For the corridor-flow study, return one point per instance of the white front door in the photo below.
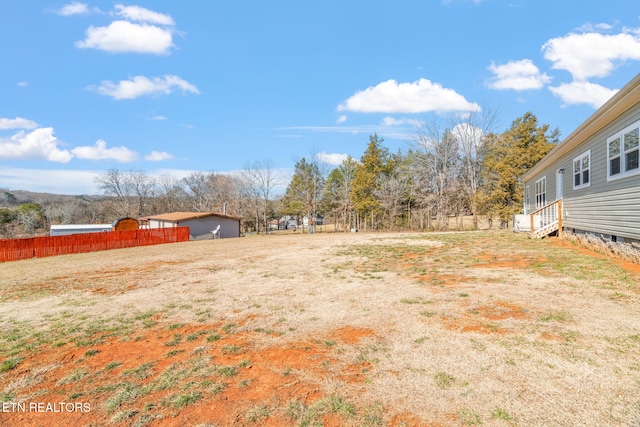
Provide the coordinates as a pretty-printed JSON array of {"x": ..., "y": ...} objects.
[{"x": 559, "y": 183}]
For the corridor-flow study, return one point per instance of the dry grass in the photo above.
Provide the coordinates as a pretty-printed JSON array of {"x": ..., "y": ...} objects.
[{"x": 341, "y": 329}]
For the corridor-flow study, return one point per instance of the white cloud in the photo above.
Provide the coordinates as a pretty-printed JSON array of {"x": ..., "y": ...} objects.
[
  {"x": 17, "y": 123},
  {"x": 391, "y": 121},
  {"x": 341, "y": 119},
  {"x": 54, "y": 181},
  {"x": 590, "y": 27},
  {"x": 467, "y": 133},
  {"x": 417, "y": 97},
  {"x": 583, "y": 93},
  {"x": 158, "y": 118},
  {"x": 141, "y": 85},
  {"x": 38, "y": 144},
  {"x": 331, "y": 158},
  {"x": 78, "y": 181},
  {"x": 385, "y": 132},
  {"x": 73, "y": 8},
  {"x": 591, "y": 54},
  {"x": 23, "y": 84},
  {"x": 137, "y": 13},
  {"x": 99, "y": 151},
  {"x": 517, "y": 75},
  {"x": 125, "y": 36},
  {"x": 158, "y": 156}
]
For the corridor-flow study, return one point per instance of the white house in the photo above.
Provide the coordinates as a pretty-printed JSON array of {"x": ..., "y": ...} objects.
[
  {"x": 201, "y": 224},
  {"x": 590, "y": 183}
]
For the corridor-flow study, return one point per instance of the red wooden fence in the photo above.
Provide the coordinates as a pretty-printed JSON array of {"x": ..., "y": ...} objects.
[{"x": 36, "y": 247}]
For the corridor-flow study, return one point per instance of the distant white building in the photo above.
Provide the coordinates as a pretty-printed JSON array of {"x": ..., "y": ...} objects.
[
  {"x": 66, "y": 229},
  {"x": 200, "y": 224}
]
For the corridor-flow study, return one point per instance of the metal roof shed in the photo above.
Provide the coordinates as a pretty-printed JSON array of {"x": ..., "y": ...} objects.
[
  {"x": 200, "y": 224},
  {"x": 66, "y": 229}
]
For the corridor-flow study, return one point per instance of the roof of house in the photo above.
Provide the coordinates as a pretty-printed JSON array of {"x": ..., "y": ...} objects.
[
  {"x": 624, "y": 99},
  {"x": 184, "y": 216}
]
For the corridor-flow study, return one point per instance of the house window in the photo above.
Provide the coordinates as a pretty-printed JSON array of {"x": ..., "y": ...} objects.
[
  {"x": 623, "y": 150},
  {"x": 582, "y": 171},
  {"x": 526, "y": 199},
  {"x": 631, "y": 150},
  {"x": 541, "y": 192}
]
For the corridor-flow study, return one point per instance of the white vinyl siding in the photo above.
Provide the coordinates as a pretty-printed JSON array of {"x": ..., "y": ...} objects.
[
  {"x": 623, "y": 151},
  {"x": 611, "y": 204},
  {"x": 582, "y": 171}
]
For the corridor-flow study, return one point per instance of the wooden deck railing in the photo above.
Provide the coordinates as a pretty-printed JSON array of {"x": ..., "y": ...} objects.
[{"x": 546, "y": 220}]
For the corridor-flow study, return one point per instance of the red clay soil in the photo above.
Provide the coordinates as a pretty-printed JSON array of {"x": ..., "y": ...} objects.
[
  {"x": 552, "y": 337},
  {"x": 502, "y": 310},
  {"x": 350, "y": 335},
  {"x": 255, "y": 377},
  {"x": 443, "y": 279},
  {"x": 489, "y": 260},
  {"x": 629, "y": 266},
  {"x": 479, "y": 320}
]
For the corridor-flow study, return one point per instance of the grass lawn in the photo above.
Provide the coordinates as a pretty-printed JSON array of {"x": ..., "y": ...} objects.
[{"x": 355, "y": 329}]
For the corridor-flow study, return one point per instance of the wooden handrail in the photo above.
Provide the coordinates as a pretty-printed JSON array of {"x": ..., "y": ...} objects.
[
  {"x": 550, "y": 214},
  {"x": 559, "y": 218},
  {"x": 546, "y": 206}
]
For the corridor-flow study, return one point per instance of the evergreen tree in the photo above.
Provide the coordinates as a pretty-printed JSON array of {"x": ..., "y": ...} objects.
[
  {"x": 507, "y": 158},
  {"x": 374, "y": 162},
  {"x": 302, "y": 196}
]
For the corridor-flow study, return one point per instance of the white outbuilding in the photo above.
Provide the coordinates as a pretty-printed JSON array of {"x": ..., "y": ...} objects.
[
  {"x": 201, "y": 224},
  {"x": 66, "y": 229}
]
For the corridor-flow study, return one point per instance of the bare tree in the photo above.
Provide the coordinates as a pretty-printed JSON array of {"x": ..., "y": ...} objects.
[
  {"x": 143, "y": 189},
  {"x": 129, "y": 192},
  {"x": 69, "y": 212},
  {"x": 438, "y": 167},
  {"x": 114, "y": 184},
  {"x": 260, "y": 180},
  {"x": 30, "y": 217},
  {"x": 471, "y": 130},
  {"x": 392, "y": 192},
  {"x": 337, "y": 192},
  {"x": 171, "y": 195},
  {"x": 199, "y": 191}
]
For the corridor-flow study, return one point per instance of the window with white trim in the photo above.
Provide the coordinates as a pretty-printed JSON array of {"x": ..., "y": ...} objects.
[
  {"x": 582, "y": 171},
  {"x": 527, "y": 202},
  {"x": 541, "y": 192},
  {"x": 623, "y": 151}
]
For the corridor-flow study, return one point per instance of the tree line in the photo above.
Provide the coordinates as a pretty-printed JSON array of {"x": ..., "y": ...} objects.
[
  {"x": 451, "y": 170},
  {"x": 460, "y": 169}
]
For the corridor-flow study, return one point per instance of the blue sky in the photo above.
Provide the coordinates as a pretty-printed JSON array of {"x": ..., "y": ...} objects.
[{"x": 174, "y": 87}]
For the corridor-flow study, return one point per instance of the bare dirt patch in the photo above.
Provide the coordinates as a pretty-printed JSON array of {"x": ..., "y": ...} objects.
[
  {"x": 629, "y": 266},
  {"x": 153, "y": 377},
  {"x": 328, "y": 329},
  {"x": 489, "y": 260}
]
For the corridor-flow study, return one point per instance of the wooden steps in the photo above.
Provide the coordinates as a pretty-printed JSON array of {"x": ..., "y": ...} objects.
[
  {"x": 544, "y": 231},
  {"x": 546, "y": 220}
]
